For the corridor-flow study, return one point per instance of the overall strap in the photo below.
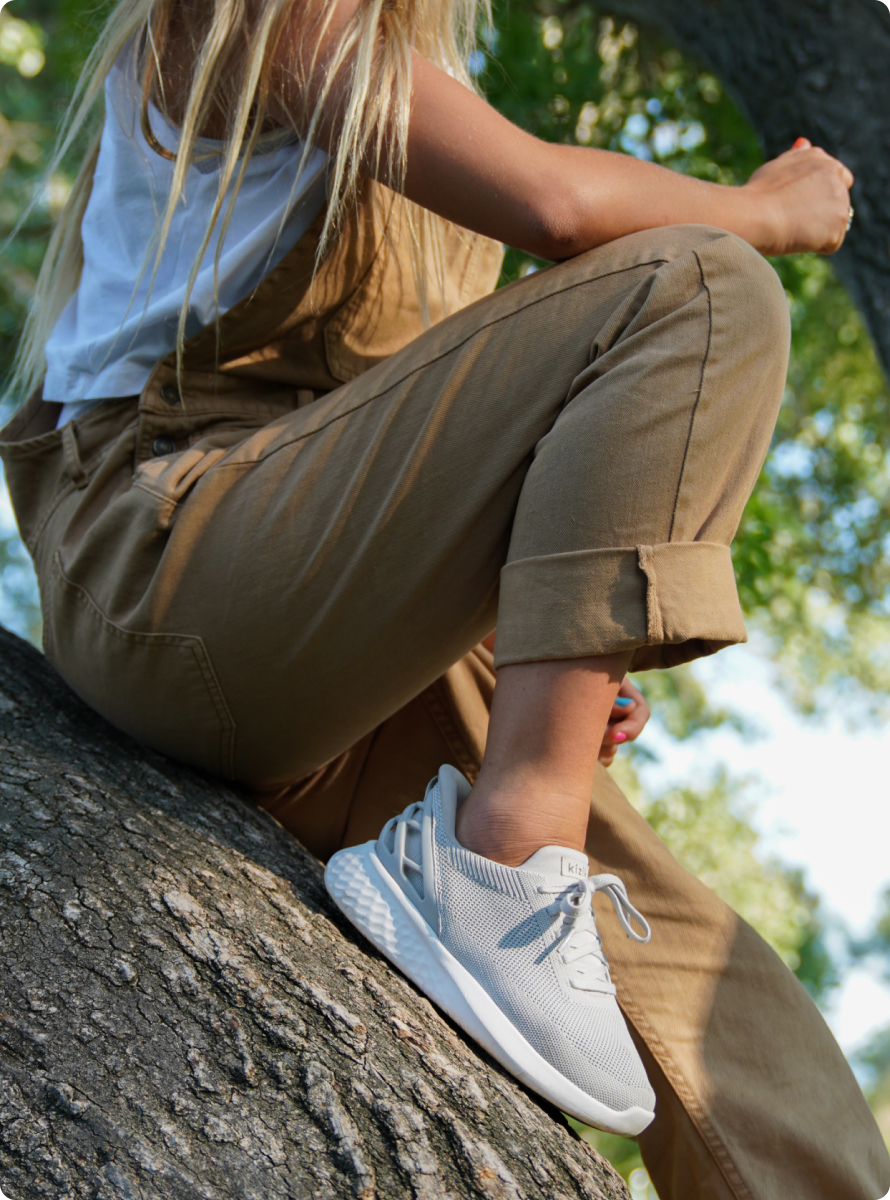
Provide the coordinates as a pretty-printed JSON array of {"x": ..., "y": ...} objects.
[{"x": 360, "y": 307}]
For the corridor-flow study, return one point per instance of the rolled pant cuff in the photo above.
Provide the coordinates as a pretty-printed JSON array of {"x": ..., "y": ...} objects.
[{"x": 669, "y": 603}]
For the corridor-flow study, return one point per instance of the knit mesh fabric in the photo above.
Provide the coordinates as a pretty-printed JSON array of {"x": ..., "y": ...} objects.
[{"x": 492, "y": 920}]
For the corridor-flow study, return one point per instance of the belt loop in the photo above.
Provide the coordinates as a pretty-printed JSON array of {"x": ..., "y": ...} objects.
[{"x": 73, "y": 465}]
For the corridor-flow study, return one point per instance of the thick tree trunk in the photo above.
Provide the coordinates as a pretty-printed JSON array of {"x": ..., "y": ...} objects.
[
  {"x": 811, "y": 68},
  {"x": 184, "y": 1014}
]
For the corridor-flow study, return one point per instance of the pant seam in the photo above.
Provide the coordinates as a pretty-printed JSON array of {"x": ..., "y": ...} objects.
[
  {"x": 390, "y": 386},
  {"x": 703, "y": 1125},
  {"x": 63, "y": 490},
  {"x": 701, "y": 385},
  {"x": 171, "y": 502},
  {"x": 195, "y": 644},
  {"x": 447, "y": 726},
  {"x": 654, "y": 616},
  {"x": 73, "y": 463},
  {"x": 347, "y": 816}
]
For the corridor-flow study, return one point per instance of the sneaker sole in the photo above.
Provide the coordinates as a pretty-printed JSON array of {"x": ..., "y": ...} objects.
[{"x": 367, "y": 895}]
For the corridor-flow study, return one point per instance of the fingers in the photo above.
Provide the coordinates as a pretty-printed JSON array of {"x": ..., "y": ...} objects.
[
  {"x": 630, "y": 709},
  {"x": 813, "y": 192},
  {"x": 628, "y": 718},
  {"x": 846, "y": 174},
  {"x": 628, "y": 724}
]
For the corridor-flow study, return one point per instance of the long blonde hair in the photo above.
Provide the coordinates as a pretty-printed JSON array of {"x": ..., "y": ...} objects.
[{"x": 376, "y": 44}]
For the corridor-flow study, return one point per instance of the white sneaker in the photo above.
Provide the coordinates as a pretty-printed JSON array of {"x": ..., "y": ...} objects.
[{"x": 511, "y": 954}]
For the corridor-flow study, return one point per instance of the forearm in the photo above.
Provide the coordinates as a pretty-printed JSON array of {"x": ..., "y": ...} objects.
[
  {"x": 609, "y": 195},
  {"x": 562, "y": 200},
  {"x": 468, "y": 163},
  {"x": 553, "y": 201}
]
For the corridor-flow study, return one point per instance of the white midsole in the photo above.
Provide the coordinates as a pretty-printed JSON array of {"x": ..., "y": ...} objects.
[{"x": 366, "y": 893}]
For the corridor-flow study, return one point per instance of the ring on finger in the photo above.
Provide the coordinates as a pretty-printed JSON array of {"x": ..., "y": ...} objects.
[{"x": 850, "y": 215}]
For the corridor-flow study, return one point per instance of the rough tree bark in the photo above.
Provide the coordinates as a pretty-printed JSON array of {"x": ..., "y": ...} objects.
[
  {"x": 811, "y": 68},
  {"x": 184, "y": 1014}
]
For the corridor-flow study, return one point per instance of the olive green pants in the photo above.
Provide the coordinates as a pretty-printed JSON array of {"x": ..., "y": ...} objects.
[{"x": 271, "y": 589}]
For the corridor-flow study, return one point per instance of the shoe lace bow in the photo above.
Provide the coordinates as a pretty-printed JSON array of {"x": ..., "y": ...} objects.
[{"x": 579, "y": 941}]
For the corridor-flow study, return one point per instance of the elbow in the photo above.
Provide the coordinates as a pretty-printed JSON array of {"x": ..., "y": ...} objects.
[{"x": 557, "y": 229}]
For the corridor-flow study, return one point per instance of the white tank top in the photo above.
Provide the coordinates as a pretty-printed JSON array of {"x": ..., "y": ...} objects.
[{"x": 109, "y": 338}]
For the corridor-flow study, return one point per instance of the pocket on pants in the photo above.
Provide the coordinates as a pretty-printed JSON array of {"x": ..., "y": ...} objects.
[{"x": 158, "y": 687}]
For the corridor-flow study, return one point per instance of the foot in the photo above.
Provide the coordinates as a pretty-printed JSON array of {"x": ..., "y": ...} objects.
[{"x": 512, "y": 954}]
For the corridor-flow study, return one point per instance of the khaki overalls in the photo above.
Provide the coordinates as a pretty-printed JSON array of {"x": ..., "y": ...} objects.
[{"x": 278, "y": 568}]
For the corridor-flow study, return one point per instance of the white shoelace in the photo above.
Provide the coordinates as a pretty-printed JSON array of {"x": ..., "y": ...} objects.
[{"x": 579, "y": 942}]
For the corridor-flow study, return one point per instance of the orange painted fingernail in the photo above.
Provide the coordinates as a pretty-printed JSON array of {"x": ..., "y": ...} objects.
[{"x": 801, "y": 141}]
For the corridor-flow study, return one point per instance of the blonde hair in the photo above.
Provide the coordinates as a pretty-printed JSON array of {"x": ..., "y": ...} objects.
[{"x": 374, "y": 45}]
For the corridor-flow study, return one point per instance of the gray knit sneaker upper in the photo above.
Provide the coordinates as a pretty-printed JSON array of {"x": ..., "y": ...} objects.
[{"x": 528, "y": 935}]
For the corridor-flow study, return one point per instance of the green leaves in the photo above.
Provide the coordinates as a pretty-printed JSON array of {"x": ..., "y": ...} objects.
[
  {"x": 21, "y": 45},
  {"x": 573, "y": 74},
  {"x": 708, "y": 827},
  {"x": 33, "y": 100},
  {"x": 811, "y": 552}
]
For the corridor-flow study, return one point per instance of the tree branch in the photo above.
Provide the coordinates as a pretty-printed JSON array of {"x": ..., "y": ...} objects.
[{"x": 184, "y": 1013}]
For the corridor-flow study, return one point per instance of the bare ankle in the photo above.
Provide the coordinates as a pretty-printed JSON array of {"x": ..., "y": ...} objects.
[
  {"x": 511, "y": 850},
  {"x": 544, "y": 738},
  {"x": 510, "y": 827}
]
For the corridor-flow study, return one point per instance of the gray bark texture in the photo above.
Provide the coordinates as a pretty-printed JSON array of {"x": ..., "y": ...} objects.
[
  {"x": 806, "y": 68},
  {"x": 184, "y": 1014}
]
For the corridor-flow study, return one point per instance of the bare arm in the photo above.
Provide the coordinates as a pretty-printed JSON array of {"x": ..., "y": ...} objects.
[{"x": 469, "y": 164}]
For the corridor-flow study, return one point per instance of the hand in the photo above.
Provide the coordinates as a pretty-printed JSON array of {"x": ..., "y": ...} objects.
[
  {"x": 806, "y": 196},
  {"x": 630, "y": 712}
]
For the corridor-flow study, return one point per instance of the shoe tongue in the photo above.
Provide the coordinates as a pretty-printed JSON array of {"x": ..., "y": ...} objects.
[{"x": 566, "y": 864}]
